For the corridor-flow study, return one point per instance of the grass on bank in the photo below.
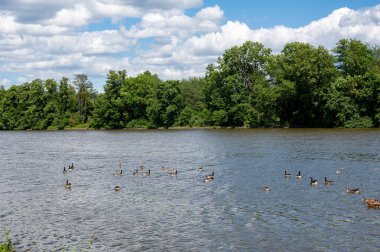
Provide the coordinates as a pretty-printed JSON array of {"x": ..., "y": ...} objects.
[{"x": 7, "y": 245}]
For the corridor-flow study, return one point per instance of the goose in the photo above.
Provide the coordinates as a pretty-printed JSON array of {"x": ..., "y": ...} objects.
[
  {"x": 135, "y": 172},
  {"x": 353, "y": 190},
  {"x": 146, "y": 173},
  {"x": 209, "y": 177},
  {"x": 200, "y": 168},
  {"x": 313, "y": 182},
  {"x": 118, "y": 174},
  {"x": 64, "y": 170},
  {"x": 340, "y": 170},
  {"x": 71, "y": 167},
  {"x": 366, "y": 200},
  {"x": 328, "y": 182},
  {"x": 68, "y": 185},
  {"x": 298, "y": 176},
  {"x": 372, "y": 203},
  {"x": 173, "y": 172},
  {"x": 266, "y": 188},
  {"x": 287, "y": 175},
  {"x": 117, "y": 188}
]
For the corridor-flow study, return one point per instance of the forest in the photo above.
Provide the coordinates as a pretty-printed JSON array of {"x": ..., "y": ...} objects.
[{"x": 249, "y": 86}]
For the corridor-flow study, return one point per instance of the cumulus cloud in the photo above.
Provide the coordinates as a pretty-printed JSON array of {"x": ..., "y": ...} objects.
[
  {"x": 55, "y": 40},
  {"x": 342, "y": 23}
]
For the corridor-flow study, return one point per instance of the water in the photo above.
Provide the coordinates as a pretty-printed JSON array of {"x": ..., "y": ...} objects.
[{"x": 183, "y": 213}]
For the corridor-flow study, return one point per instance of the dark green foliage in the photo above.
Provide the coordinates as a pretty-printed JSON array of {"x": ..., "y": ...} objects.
[{"x": 303, "y": 86}]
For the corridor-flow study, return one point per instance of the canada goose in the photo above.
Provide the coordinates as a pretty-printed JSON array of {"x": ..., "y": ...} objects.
[
  {"x": 298, "y": 176},
  {"x": 68, "y": 185},
  {"x": 118, "y": 174},
  {"x": 287, "y": 175},
  {"x": 117, "y": 188},
  {"x": 313, "y": 182},
  {"x": 372, "y": 203},
  {"x": 328, "y": 182},
  {"x": 64, "y": 170},
  {"x": 146, "y": 173},
  {"x": 71, "y": 167},
  {"x": 340, "y": 170},
  {"x": 353, "y": 190},
  {"x": 209, "y": 177},
  {"x": 135, "y": 172},
  {"x": 200, "y": 168},
  {"x": 366, "y": 200},
  {"x": 266, "y": 188},
  {"x": 173, "y": 172}
]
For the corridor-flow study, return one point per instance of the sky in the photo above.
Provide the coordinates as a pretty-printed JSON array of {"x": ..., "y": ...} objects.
[{"x": 175, "y": 39}]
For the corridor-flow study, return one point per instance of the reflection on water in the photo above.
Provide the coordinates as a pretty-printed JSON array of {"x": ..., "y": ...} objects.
[{"x": 173, "y": 213}]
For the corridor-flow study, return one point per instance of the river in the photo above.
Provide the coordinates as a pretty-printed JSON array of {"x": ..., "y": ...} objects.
[{"x": 183, "y": 213}]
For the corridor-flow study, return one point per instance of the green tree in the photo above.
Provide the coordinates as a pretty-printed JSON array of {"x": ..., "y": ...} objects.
[
  {"x": 170, "y": 101},
  {"x": 353, "y": 57},
  {"x": 108, "y": 109},
  {"x": 66, "y": 104},
  {"x": 308, "y": 71},
  {"x": 138, "y": 94},
  {"x": 85, "y": 96},
  {"x": 233, "y": 87}
]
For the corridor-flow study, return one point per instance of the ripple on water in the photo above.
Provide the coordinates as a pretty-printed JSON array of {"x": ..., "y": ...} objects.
[{"x": 167, "y": 213}]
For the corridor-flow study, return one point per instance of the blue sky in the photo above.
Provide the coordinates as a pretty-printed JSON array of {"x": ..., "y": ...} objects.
[
  {"x": 293, "y": 13},
  {"x": 173, "y": 39}
]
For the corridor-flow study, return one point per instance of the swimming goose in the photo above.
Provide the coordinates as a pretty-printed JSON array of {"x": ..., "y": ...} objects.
[
  {"x": 68, "y": 185},
  {"x": 71, "y": 167},
  {"x": 146, "y": 173},
  {"x": 209, "y": 177},
  {"x": 287, "y": 175},
  {"x": 353, "y": 190},
  {"x": 266, "y": 188},
  {"x": 372, "y": 203},
  {"x": 366, "y": 200},
  {"x": 298, "y": 176},
  {"x": 313, "y": 182},
  {"x": 117, "y": 188},
  {"x": 173, "y": 172},
  {"x": 340, "y": 170},
  {"x": 135, "y": 172},
  {"x": 328, "y": 182},
  {"x": 200, "y": 168},
  {"x": 118, "y": 174},
  {"x": 64, "y": 170}
]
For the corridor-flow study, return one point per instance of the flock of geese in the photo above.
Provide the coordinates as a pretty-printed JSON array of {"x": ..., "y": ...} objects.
[
  {"x": 371, "y": 203},
  {"x": 172, "y": 171}
]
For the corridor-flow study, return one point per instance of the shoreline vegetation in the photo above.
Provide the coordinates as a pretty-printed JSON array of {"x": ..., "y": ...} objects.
[{"x": 303, "y": 86}]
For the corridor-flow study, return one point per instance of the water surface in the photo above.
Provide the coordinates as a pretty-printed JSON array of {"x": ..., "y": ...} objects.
[{"x": 183, "y": 213}]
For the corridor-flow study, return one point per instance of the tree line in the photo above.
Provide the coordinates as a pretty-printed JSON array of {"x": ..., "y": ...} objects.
[{"x": 248, "y": 86}]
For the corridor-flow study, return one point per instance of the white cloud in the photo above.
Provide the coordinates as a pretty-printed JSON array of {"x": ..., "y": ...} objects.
[
  {"x": 342, "y": 23},
  {"x": 5, "y": 82},
  {"x": 77, "y": 16},
  {"x": 54, "y": 40}
]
